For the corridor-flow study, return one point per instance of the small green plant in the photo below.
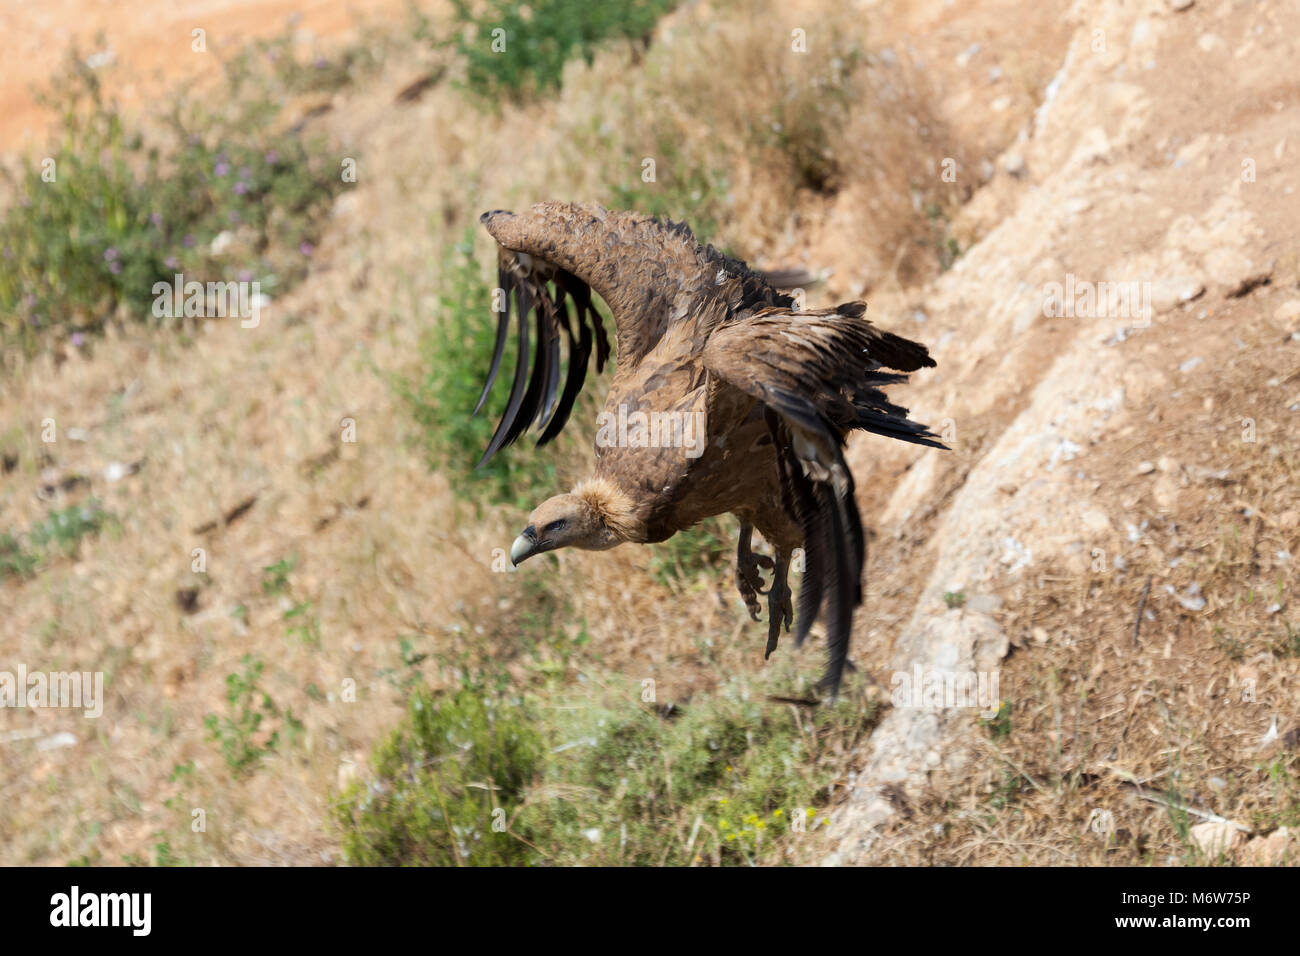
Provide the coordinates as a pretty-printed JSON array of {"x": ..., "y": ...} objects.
[
  {"x": 954, "y": 599},
  {"x": 1286, "y": 644},
  {"x": 946, "y": 247},
  {"x": 63, "y": 529},
  {"x": 1179, "y": 818},
  {"x": 1007, "y": 791},
  {"x": 408, "y": 677},
  {"x": 59, "y": 534},
  {"x": 518, "y": 51},
  {"x": 302, "y": 624},
  {"x": 164, "y": 855},
  {"x": 999, "y": 725},
  {"x": 1228, "y": 643},
  {"x": 276, "y": 576},
  {"x": 239, "y": 733},
  {"x": 16, "y": 561}
]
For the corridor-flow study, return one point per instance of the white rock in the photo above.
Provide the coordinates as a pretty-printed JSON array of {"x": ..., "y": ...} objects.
[
  {"x": 221, "y": 242},
  {"x": 1287, "y": 310},
  {"x": 1013, "y": 164},
  {"x": 1215, "y": 839},
  {"x": 1273, "y": 850}
]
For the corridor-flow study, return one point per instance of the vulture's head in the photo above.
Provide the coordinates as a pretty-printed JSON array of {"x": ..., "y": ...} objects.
[{"x": 589, "y": 518}]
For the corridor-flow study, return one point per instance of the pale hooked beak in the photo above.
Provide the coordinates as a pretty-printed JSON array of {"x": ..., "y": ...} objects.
[{"x": 525, "y": 546}]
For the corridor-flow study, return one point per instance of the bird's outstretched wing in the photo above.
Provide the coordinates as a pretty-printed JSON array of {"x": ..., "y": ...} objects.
[
  {"x": 651, "y": 274},
  {"x": 819, "y": 376}
]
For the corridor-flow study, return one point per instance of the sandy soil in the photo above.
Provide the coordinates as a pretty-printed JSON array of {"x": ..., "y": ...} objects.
[{"x": 150, "y": 42}]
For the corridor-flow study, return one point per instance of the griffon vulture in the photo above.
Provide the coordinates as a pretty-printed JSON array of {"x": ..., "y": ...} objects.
[{"x": 702, "y": 338}]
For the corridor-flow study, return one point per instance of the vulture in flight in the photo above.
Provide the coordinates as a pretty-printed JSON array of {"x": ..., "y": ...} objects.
[{"x": 700, "y": 339}]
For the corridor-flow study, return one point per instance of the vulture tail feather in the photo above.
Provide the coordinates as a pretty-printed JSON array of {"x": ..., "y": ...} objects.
[{"x": 845, "y": 580}]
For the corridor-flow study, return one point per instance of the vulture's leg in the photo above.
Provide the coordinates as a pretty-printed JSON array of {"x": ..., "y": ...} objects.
[
  {"x": 779, "y": 607},
  {"x": 748, "y": 581}
]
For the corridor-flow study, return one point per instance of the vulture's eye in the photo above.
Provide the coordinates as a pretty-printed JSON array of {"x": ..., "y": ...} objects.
[{"x": 555, "y": 526}]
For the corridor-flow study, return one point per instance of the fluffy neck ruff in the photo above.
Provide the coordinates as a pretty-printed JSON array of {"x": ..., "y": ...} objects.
[{"x": 614, "y": 508}]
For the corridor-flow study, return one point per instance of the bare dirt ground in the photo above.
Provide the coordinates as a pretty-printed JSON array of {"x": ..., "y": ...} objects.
[
  {"x": 151, "y": 42},
  {"x": 1097, "y": 139}
]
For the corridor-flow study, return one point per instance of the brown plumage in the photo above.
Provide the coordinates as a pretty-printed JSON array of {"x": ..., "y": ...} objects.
[{"x": 701, "y": 338}]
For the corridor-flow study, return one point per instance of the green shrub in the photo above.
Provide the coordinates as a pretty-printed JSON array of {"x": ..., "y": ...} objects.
[
  {"x": 539, "y": 38},
  {"x": 89, "y": 235},
  {"x": 574, "y": 779},
  {"x": 447, "y": 786}
]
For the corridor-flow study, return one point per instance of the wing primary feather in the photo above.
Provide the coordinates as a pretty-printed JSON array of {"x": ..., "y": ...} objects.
[
  {"x": 552, "y": 375},
  {"x": 561, "y": 323},
  {"x": 523, "y": 305},
  {"x": 579, "y": 356},
  {"x": 581, "y": 293},
  {"x": 532, "y": 402},
  {"x": 504, "y": 281}
]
